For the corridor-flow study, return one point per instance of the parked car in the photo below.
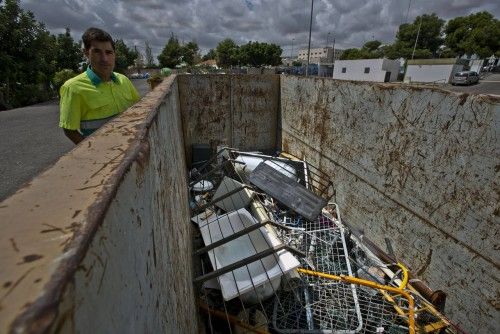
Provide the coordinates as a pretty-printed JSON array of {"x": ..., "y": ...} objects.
[
  {"x": 139, "y": 76},
  {"x": 465, "y": 78}
]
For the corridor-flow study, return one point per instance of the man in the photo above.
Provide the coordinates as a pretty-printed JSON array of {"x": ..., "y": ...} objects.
[{"x": 97, "y": 95}]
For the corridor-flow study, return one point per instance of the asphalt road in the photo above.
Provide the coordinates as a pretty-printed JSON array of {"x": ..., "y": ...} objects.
[
  {"x": 31, "y": 141},
  {"x": 490, "y": 84}
]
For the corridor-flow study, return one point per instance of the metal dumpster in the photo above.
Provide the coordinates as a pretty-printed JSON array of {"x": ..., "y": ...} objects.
[{"x": 101, "y": 242}]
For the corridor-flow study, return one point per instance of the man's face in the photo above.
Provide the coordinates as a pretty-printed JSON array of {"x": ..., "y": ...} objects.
[{"x": 102, "y": 58}]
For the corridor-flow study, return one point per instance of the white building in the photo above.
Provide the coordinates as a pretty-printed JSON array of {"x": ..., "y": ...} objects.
[
  {"x": 439, "y": 70},
  {"x": 377, "y": 70},
  {"x": 321, "y": 55}
]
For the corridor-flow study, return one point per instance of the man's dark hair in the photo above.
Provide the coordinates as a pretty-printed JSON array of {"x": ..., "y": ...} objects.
[{"x": 96, "y": 34}]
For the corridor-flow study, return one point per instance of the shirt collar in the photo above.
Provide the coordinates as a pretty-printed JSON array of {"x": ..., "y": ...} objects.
[{"x": 94, "y": 78}]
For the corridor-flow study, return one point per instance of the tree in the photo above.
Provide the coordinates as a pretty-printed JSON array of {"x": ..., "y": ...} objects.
[
  {"x": 211, "y": 54},
  {"x": 372, "y": 45},
  {"x": 370, "y": 50},
  {"x": 351, "y": 53},
  {"x": 429, "y": 38},
  {"x": 150, "y": 62},
  {"x": 69, "y": 54},
  {"x": 125, "y": 56},
  {"x": 227, "y": 53},
  {"x": 171, "y": 54},
  {"x": 477, "y": 33},
  {"x": 139, "y": 60},
  {"x": 252, "y": 53},
  {"x": 189, "y": 53},
  {"x": 273, "y": 54},
  {"x": 27, "y": 57},
  {"x": 61, "y": 77}
]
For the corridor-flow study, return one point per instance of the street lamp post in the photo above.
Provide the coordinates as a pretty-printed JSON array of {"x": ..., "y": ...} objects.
[
  {"x": 291, "y": 52},
  {"x": 309, "y": 46},
  {"x": 416, "y": 40}
]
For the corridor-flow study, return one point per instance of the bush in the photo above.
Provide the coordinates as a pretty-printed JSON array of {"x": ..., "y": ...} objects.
[{"x": 61, "y": 77}]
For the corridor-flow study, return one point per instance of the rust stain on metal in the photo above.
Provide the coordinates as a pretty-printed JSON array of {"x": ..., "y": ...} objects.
[
  {"x": 76, "y": 213},
  {"x": 31, "y": 258},
  {"x": 52, "y": 229},
  {"x": 438, "y": 299},
  {"x": 495, "y": 302},
  {"x": 16, "y": 283},
  {"x": 426, "y": 263},
  {"x": 14, "y": 245},
  {"x": 143, "y": 154},
  {"x": 463, "y": 98},
  {"x": 39, "y": 315}
]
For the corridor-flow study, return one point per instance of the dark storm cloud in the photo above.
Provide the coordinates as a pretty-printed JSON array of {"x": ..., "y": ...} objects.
[{"x": 351, "y": 22}]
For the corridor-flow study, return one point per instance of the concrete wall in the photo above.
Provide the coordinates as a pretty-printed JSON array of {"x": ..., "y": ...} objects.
[
  {"x": 236, "y": 110},
  {"x": 100, "y": 242},
  {"x": 355, "y": 69},
  {"x": 417, "y": 166},
  {"x": 431, "y": 73}
]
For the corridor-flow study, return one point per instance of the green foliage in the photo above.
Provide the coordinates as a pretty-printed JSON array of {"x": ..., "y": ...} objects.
[
  {"x": 171, "y": 54},
  {"x": 252, "y": 54},
  {"x": 174, "y": 53},
  {"x": 258, "y": 54},
  {"x": 370, "y": 50},
  {"x": 27, "y": 57},
  {"x": 446, "y": 52},
  {"x": 150, "y": 61},
  {"x": 227, "y": 53},
  {"x": 68, "y": 52},
  {"x": 296, "y": 63},
  {"x": 125, "y": 56},
  {"x": 351, "y": 53},
  {"x": 372, "y": 45},
  {"x": 210, "y": 55},
  {"x": 61, "y": 77},
  {"x": 189, "y": 53},
  {"x": 477, "y": 33},
  {"x": 429, "y": 38}
]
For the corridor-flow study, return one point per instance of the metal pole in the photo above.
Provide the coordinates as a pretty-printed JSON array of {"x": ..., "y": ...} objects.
[
  {"x": 333, "y": 46},
  {"x": 333, "y": 60},
  {"x": 309, "y": 46},
  {"x": 291, "y": 52},
  {"x": 416, "y": 40}
]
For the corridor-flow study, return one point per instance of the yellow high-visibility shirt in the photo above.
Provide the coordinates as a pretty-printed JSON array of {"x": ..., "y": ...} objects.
[{"x": 87, "y": 102}]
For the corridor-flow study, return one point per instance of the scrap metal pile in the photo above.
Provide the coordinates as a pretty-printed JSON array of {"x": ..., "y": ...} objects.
[{"x": 274, "y": 256}]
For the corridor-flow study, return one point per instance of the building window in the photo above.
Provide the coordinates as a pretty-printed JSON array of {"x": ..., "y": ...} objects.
[
  {"x": 367, "y": 70},
  {"x": 344, "y": 69}
]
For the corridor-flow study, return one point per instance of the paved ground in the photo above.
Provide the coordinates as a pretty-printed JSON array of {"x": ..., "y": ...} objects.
[
  {"x": 31, "y": 141},
  {"x": 490, "y": 84}
]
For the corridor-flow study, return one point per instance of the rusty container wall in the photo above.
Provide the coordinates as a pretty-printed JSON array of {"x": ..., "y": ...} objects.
[
  {"x": 101, "y": 241},
  {"x": 418, "y": 166},
  {"x": 147, "y": 269},
  {"x": 236, "y": 110}
]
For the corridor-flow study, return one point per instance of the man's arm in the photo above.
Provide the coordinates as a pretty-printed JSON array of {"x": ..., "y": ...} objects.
[{"x": 74, "y": 135}]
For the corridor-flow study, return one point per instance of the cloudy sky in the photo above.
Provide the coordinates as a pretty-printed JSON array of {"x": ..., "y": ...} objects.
[{"x": 284, "y": 22}]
